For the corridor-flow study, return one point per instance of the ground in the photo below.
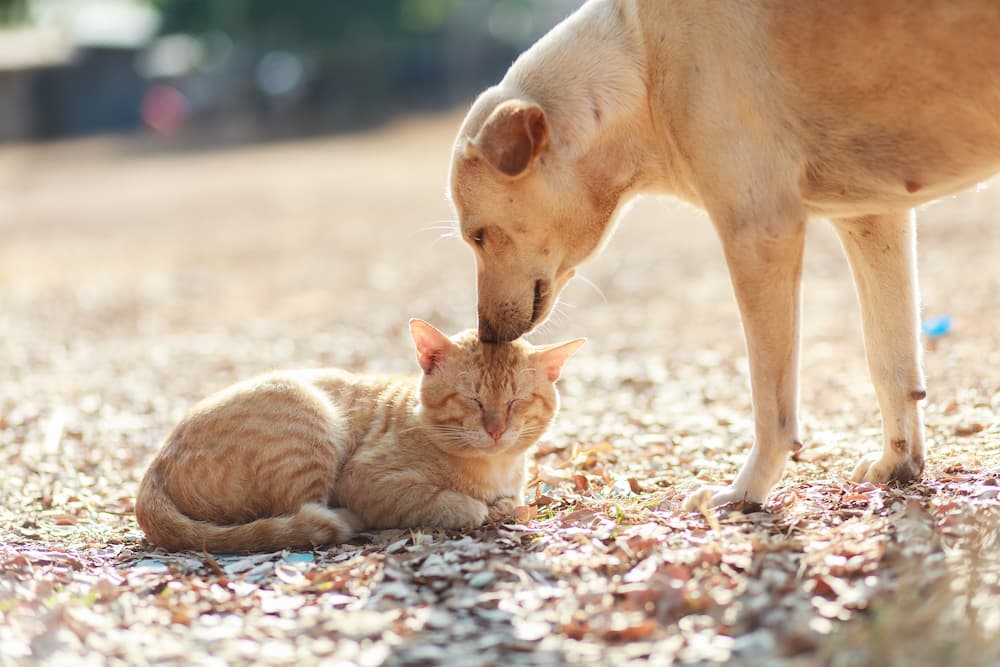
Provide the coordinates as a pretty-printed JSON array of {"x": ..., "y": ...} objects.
[{"x": 136, "y": 278}]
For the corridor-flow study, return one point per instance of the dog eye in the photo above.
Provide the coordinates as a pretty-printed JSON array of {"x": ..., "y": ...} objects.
[{"x": 478, "y": 236}]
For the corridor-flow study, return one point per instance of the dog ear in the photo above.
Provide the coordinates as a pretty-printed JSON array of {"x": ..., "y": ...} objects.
[
  {"x": 513, "y": 136},
  {"x": 431, "y": 344}
]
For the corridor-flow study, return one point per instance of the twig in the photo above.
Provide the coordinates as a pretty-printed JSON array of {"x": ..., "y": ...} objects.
[{"x": 213, "y": 564}]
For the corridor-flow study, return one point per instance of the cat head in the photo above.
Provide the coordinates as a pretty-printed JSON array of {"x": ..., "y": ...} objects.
[{"x": 480, "y": 399}]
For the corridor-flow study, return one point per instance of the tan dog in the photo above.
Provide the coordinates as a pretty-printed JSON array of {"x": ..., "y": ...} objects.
[{"x": 765, "y": 113}]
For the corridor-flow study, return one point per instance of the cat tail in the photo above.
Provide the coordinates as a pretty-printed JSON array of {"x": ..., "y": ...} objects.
[{"x": 166, "y": 526}]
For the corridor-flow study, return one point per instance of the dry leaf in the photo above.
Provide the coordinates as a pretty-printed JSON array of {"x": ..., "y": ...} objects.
[
  {"x": 64, "y": 519},
  {"x": 525, "y": 513},
  {"x": 543, "y": 500},
  {"x": 965, "y": 430}
]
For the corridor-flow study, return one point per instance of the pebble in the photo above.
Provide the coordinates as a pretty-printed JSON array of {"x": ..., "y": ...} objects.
[{"x": 482, "y": 579}]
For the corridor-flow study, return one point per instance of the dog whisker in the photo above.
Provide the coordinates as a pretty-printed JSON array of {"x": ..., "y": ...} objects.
[
  {"x": 446, "y": 232},
  {"x": 590, "y": 283}
]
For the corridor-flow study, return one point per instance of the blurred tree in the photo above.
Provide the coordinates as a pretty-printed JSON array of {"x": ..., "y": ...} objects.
[
  {"x": 305, "y": 24},
  {"x": 312, "y": 64},
  {"x": 361, "y": 59},
  {"x": 13, "y": 11}
]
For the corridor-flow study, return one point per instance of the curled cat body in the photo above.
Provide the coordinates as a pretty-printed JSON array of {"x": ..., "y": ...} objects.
[{"x": 295, "y": 459}]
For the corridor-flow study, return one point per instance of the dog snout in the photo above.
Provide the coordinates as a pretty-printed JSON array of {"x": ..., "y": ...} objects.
[
  {"x": 510, "y": 320},
  {"x": 504, "y": 325},
  {"x": 501, "y": 331}
]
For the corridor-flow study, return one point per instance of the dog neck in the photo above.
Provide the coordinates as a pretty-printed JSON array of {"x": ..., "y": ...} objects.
[{"x": 590, "y": 74}]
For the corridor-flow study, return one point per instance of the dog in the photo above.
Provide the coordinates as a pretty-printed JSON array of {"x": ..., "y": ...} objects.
[{"x": 764, "y": 113}]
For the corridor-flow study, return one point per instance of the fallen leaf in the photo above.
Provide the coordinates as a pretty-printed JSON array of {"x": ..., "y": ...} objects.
[
  {"x": 525, "y": 513},
  {"x": 965, "y": 430}
]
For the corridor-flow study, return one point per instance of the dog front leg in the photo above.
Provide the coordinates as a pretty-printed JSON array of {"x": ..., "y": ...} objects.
[
  {"x": 764, "y": 254},
  {"x": 882, "y": 253}
]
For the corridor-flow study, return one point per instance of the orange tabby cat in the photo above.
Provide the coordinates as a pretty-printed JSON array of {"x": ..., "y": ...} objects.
[{"x": 303, "y": 458}]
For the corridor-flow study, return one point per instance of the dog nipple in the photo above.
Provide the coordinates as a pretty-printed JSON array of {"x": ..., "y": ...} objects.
[{"x": 912, "y": 186}]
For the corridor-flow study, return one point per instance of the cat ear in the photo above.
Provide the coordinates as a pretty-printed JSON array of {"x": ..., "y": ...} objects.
[
  {"x": 431, "y": 344},
  {"x": 552, "y": 357}
]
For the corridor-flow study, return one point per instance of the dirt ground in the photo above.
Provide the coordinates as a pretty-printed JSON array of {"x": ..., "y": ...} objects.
[{"x": 134, "y": 280}]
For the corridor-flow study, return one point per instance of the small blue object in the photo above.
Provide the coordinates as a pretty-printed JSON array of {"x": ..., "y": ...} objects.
[
  {"x": 298, "y": 558},
  {"x": 151, "y": 565},
  {"x": 935, "y": 327}
]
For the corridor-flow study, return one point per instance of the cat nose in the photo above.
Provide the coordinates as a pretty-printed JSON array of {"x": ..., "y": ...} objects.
[{"x": 496, "y": 430}]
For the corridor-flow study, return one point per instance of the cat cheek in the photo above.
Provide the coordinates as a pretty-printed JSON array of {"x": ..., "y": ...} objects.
[{"x": 522, "y": 408}]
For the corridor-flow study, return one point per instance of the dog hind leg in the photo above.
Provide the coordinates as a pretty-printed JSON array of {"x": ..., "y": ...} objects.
[{"x": 882, "y": 253}]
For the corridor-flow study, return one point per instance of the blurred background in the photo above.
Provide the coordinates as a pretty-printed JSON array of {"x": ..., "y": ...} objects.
[
  {"x": 196, "y": 191},
  {"x": 233, "y": 70}
]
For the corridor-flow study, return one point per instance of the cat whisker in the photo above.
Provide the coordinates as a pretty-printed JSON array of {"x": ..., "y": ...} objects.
[
  {"x": 531, "y": 433},
  {"x": 452, "y": 437},
  {"x": 436, "y": 430},
  {"x": 439, "y": 428}
]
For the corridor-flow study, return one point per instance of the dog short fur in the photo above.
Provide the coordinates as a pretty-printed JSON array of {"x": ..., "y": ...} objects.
[{"x": 765, "y": 113}]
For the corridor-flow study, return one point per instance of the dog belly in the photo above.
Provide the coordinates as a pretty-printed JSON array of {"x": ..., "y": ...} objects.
[
  {"x": 894, "y": 103},
  {"x": 858, "y": 183}
]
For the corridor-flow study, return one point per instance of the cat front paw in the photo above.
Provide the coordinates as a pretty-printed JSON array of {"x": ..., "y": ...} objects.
[
  {"x": 502, "y": 510},
  {"x": 458, "y": 511}
]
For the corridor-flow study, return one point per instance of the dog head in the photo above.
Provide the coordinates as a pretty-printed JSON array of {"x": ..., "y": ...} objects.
[{"x": 530, "y": 211}]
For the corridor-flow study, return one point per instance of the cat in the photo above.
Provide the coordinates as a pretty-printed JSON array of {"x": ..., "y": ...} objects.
[{"x": 296, "y": 459}]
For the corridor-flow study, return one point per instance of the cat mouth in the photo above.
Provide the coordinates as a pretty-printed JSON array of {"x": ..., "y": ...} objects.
[{"x": 491, "y": 446}]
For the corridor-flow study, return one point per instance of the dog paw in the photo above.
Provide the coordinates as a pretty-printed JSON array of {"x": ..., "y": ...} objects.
[
  {"x": 717, "y": 496},
  {"x": 878, "y": 469}
]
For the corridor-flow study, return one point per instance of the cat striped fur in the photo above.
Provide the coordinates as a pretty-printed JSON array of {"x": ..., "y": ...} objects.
[{"x": 295, "y": 459}]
